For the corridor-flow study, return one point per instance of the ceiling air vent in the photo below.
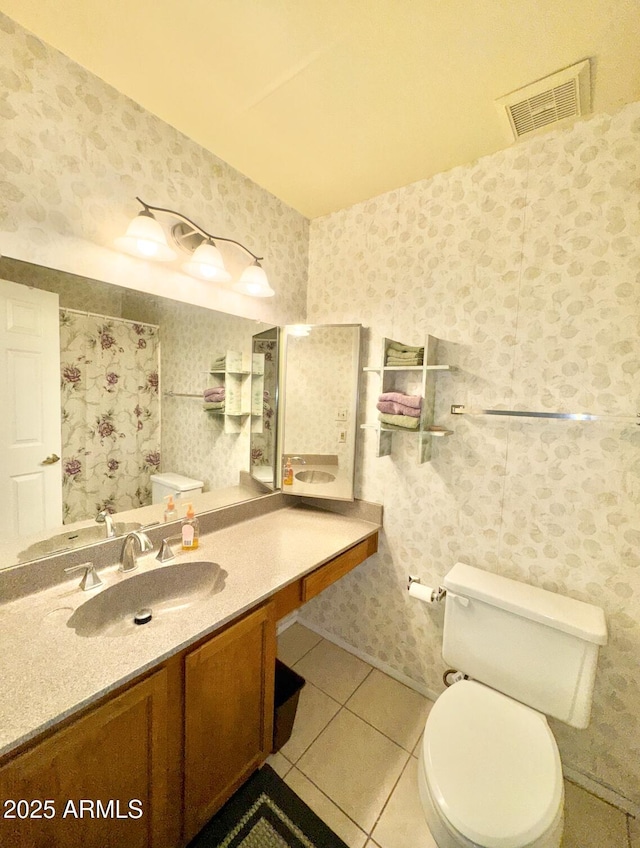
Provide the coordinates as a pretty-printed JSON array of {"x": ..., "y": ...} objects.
[{"x": 558, "y": 98}]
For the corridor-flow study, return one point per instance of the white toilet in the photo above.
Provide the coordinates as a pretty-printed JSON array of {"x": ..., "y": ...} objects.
[
  {"x": 490, "y": 774},
  {"x": 177, "y": 485}
]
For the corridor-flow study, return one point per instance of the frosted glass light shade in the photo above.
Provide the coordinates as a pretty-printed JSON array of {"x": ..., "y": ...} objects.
[
  {"x": 207, "y": 264},
  {"x": 254, "y": 282},
  {"x": 299, "y": 330},
  {"x": 145, "y": 238}
]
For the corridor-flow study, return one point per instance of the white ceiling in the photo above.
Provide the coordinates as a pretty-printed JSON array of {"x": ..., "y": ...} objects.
[{"x": 328, "y": 102}]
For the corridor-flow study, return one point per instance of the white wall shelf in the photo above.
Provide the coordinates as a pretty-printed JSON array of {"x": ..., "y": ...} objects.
[
  {"x": 237, "y": 396},
  {"x": 427, "y": 429}
]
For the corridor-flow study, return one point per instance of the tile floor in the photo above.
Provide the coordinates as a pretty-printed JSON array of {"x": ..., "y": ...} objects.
[{"x": 352, "y": 756}]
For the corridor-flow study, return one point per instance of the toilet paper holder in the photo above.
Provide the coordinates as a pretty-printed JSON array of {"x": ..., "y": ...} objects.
[{"x": 425, "y": 593}]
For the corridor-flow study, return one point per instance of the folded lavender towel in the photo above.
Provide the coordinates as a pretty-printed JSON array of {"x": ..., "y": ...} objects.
[
  {"x": 216, "y": 393},
  {"x": 399, "y": 397},
  {"x": 397, "y": 409},
  {"x": 403, "y": 421}
]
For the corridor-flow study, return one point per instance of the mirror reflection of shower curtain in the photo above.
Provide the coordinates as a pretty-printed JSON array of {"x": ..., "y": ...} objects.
[{"x": 110, "y": 413}]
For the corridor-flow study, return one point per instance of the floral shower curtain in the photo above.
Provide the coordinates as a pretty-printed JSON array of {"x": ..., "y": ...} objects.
[{"x": 110, "y": 413}]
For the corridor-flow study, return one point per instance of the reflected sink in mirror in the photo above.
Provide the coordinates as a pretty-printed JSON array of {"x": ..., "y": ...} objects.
[
  {"x": 74, "y": 539},
  {"x": 312, "y": 476},
  {"x": 163, "y": 591}
]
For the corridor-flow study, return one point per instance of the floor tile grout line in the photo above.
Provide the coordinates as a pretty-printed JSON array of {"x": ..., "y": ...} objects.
[
  {"x": 358, "y": 716},
  {"x": 381, "y": 732},
  {"x": 322, "y": 729},
  {"x": 393, "y": 789},
  {"x": 366, "y": 677},
  {"x": 308, "y": 651},
  {"x": 402, "y": 770},
  {"x": 335, "y": 804}
]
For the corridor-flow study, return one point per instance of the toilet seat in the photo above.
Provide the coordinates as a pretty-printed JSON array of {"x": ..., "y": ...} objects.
[{"x": 492, "y": 766}]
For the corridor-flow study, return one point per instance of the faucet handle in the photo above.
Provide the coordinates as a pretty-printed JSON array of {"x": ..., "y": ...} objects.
[
  {"x": 91, "y": 578},
  {"x": 166, "y": 553}
]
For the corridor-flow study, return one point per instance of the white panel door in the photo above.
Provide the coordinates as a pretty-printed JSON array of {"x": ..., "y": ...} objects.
[{"x": 30, "y": 446}]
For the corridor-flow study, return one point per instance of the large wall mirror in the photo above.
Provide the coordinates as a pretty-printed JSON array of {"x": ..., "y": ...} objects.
[
  {"x": 127, "y": 376},
  {"x": 321, "y": 367}
]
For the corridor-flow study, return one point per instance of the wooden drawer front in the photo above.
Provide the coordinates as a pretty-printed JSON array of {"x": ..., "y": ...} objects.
[
  {"x": 333, "y": 570},
  {"x": 288, "y": 599}
]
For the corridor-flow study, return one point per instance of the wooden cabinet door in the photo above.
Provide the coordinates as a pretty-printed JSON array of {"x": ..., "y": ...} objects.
[
  {"x": 99, "y": 783},
  {"x": 228, "y": 713}
]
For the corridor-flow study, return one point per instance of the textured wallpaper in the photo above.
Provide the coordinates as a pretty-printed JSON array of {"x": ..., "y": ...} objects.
[
  {"x": 74, "y": 153},
  {"x": 527, "y": 265}
]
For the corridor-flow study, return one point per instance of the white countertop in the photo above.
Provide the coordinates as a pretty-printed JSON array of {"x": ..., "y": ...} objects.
[{"x": 49, "y": 672}]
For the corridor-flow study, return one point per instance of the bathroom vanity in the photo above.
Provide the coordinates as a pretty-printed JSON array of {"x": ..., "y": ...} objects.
[{"x": 159, "y": 725}]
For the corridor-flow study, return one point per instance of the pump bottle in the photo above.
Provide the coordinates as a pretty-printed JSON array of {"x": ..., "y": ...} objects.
[
  {"x": 190, "y": 530},
  {"x": 170, "y": 511}
]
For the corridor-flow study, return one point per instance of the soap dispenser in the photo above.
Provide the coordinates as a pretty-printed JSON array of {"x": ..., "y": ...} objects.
[
  {"x": 190, "y": 530},
  {"x": 170, "y": 511},
  {"x": 287, "y": 479}
]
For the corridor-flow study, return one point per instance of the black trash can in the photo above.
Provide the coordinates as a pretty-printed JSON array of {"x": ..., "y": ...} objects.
[{"x": 285, "y": 703}]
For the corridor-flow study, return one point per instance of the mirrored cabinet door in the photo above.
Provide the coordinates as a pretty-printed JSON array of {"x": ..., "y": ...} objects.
[
  {"x": 321, "y": 365},
  {"x": 265, "y": 359}
]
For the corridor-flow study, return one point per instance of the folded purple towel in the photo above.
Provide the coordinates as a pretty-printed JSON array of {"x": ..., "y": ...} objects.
[
  {"x": 397, "y": 409},
  {"x": 216, "y": 393},
  {"x": 398, "y": 397}
]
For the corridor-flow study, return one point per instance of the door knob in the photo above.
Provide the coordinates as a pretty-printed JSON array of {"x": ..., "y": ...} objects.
[{"x": 51, "y": 460}]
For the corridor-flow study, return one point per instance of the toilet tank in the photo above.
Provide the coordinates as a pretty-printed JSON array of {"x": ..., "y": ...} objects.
[
  {"x": 177, "y": 485},
  {"x": 536, "y": 646}
]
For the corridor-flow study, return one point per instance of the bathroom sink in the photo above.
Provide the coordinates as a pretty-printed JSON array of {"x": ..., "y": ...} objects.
[
  {"x": 315, "y": 477},
  {"x": 74, "y": 539},
  {"x": 147, "y": 597}
]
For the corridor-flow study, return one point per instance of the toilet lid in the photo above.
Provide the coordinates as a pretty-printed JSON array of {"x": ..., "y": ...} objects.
[{"x": 492, "y": 766}]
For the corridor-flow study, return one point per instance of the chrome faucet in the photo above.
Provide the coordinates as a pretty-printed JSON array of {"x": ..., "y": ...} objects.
[
  {"x": 300, "y": 460},
  {"x": 104, "y": 517},
  {"x": 137, "y": 537}
]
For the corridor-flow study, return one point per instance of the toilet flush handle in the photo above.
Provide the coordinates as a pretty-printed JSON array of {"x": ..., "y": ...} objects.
[{"x": 464, "y": 602}]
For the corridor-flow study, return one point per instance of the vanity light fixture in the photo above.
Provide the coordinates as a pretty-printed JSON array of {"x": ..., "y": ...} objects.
[
  {"x": 299, "y": 330},
  {"x": 145, "y": 238}
]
